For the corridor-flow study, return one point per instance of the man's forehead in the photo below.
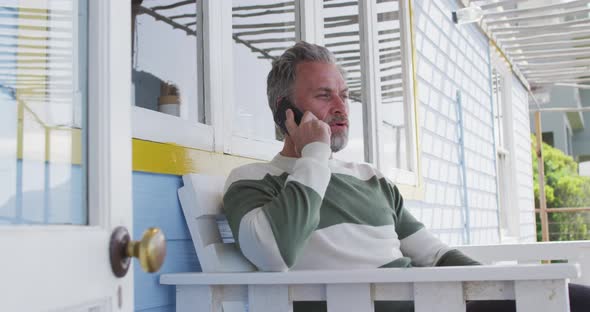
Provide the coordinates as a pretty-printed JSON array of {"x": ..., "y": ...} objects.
[{"x": 320, "y": 75}]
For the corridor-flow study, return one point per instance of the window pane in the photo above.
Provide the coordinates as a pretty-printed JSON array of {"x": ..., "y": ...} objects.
[
  {"x": 165, "y": 57},
  {"x": 43, "y": 83},
  {"x": 394, "y": 128},
  {"x": 262, "y": 31},
  {"x": 341, "y": 36}
]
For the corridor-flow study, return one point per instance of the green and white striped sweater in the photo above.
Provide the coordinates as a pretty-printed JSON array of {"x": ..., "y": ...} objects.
[{"x": 315, "y": 212}]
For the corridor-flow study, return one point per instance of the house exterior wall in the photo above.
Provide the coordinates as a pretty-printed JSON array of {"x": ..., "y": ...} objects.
[
  {"x": 556, "y": 123},
  {"x": 581, "y": 139},
  {"x": 449, "y": 59},
  {"x": 452, "y": 59}
]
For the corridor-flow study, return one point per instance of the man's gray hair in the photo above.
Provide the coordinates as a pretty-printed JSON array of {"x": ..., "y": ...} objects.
[{"x": 282, "y": 75}]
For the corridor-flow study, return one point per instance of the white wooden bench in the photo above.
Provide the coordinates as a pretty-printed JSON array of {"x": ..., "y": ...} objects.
[{"x": 229, "y": 282}]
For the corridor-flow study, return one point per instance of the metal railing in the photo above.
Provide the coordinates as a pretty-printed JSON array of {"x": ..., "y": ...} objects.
[{"x": 566, "y": 224}]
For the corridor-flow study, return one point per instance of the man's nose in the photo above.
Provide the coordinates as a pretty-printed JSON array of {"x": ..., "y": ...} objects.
[{"x": 339, "y": 105}]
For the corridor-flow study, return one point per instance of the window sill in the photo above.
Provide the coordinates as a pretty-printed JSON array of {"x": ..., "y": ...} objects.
[{"x": 159, "y": 127}]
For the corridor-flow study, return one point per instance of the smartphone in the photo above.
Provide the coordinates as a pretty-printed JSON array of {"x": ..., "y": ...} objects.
[{"x": 281, "y": 114}]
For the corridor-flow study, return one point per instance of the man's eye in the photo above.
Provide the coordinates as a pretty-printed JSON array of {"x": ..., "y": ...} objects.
[{"x": 323, "y": 95}]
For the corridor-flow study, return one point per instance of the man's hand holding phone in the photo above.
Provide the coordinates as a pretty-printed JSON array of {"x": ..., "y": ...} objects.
[{"x": 311, "y": 129}]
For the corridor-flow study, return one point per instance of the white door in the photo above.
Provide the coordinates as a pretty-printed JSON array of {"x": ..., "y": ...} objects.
[{"x": 65, "y": 153}]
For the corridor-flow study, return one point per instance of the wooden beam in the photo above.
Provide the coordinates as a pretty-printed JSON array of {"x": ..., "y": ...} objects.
[
  {"x": 549, "y": 56},
  {"x": 551, "y": 7},
  {"x": 541, "y": 45},
  {"x": 579, "y": 33},
  {"x": 578, "y": 62},
  {"x": 541, "y": 169},
  {"x": 534, "y": 17},
  {"x": 540, "y": 26}
]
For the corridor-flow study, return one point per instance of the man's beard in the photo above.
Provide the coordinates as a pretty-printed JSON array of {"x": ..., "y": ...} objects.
[{"x": 338, "y": 141}]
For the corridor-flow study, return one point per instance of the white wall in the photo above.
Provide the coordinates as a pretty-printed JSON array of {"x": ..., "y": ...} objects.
[
  {"x": 451, "y": 59},
  {"x": 524, "y": 169}
]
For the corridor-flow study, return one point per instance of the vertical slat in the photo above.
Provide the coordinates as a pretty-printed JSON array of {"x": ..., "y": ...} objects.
[
  {"x": 263, "y": 298},
  {"x": 541, "y": 169},
  {"x": 430, "y": 297},
  {"x": 198, "y": 298},
  {"x": 349, "y": 297},
  {"x": 542, "y": 295}
]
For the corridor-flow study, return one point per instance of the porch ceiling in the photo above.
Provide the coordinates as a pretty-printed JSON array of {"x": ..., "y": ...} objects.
[{"x": 547, "y": 41}]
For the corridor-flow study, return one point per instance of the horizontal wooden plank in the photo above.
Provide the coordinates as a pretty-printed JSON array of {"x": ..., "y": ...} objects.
[
  {"x": 386, "y": 275},
  {"x": 155, "y": 203}
]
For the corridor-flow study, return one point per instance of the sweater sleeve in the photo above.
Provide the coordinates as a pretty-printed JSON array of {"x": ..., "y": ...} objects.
[
  {"x": 272, "y": 223},
  {"x": 417, "y": 243}
]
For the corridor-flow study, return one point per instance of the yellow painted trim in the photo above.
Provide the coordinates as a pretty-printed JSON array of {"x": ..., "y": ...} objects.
[
  {"x": 167, "y": 158},
  {"x": 409, "y": 191},
  {"x": 501, "y": 53}
]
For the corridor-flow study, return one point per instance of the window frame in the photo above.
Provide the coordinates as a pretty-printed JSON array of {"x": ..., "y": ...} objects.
[
  {"x": 410, "y": 179},
  {"x": 215, "y": 68},
  {"x": 172, "y": 129},
  {"x": 505, "y": 188}
]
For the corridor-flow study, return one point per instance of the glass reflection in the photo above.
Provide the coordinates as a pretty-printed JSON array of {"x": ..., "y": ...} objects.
[
  {"x": 394, "y": 114},
  {"x": 262, "y": 31},
  {"x": 165, "y": 57},
  {"x": 341, "y": 36},
  {"x": 42, "y": 112}
]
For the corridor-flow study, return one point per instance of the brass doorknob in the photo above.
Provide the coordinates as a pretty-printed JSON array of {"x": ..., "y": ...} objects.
[{"x": 150, "y": 250}]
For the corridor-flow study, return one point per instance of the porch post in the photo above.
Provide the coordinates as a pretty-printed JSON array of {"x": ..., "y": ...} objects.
[{"x": 541, "y": 168}]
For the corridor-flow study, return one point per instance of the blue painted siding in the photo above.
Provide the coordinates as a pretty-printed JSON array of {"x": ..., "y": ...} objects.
[{"x": 155, "y": 203}]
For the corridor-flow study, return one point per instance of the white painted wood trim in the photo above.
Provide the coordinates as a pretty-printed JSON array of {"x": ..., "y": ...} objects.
[
  {"x": 399, "y": 291},
  {"x": 154, "y": 126},
  {"x": 411, "y": 106},
  {"x": 574, "y": 251},
  {"x": 309, "y": 21},
  {"x": 349, "y": 297},
  {"x": 261, "y": 298},
  {"x": 46, "y": 267},
  {"x": 370, "y": 80},
  {"x": 489, "y": 290},
  {"x": 430, "y": 297},
  {"x": 218, "y": 68},
  {"x": 198, "y": 298},
  {"x": 252, "y": 148},
  {"x": 541, "y": 296},
  {"x": 386, "y": 275}
]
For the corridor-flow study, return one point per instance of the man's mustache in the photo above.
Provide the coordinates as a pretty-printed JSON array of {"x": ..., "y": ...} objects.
[{"x": 336, "y": 119}]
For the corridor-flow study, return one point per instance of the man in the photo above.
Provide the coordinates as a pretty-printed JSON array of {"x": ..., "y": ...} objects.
[{"x": 305, "y": 210}]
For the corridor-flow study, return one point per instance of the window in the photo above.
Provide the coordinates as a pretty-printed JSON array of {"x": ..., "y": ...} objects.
[
  {"x": 261, "y": 31},
  {"x": 548, "y": 138},
  {"x": 376, "y": 53},
  {"x": 501, "y": 78},
  {"x": 226, "y": 91},
  {"x": 341, "y": 36},
  {"x": 397, "y": 130},
  {"x": 43, "y": 103},
  {"x": 168, "y": 73},
  {"x": 165, "y": 57}
]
